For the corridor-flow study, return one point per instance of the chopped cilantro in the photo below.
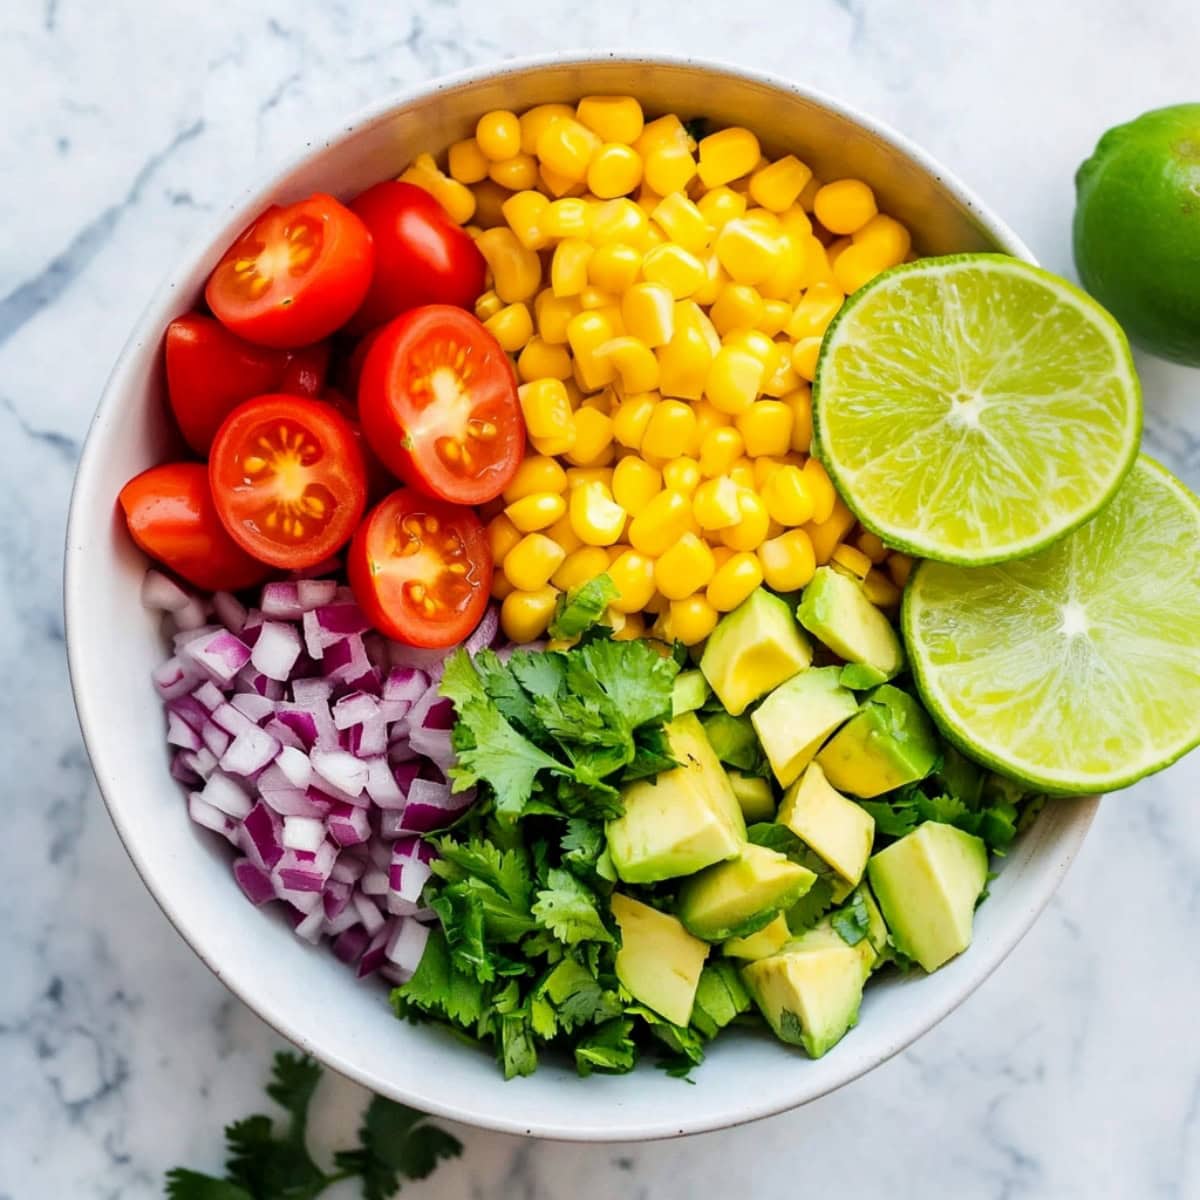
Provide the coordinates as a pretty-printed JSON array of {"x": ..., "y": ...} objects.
[{"x": 581, "y": 607}]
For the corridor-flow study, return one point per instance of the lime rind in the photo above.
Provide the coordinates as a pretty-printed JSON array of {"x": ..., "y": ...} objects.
[
  {"x": 1075, "y": 671},
  {"x": 993, "y": 498}
]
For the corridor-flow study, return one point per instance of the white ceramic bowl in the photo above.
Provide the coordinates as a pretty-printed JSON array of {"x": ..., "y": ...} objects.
[{"x": 113, "y": 644}]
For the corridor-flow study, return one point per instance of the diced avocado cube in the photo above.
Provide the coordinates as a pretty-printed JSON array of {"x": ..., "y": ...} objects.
[
  {"x": 659, "y": 961},
  {"x": 877, "y": 931},
  {"x": 888, "y": 744},
  {"x": 860, "y": 678},
  {"x": 770, "y": 939},
  {"x": 797, "y": 717},
  {"x": 836, "y": 611},
  {"x": 682, "y": 821},
  {"x": 753, "y": 649},
  {"x": 733, "y": 740},
  {"x": 837, "y": 829},
  {"x": 811, "y": 990},
  {"x": 720, "y": 997},
  {"x": 689, "y": 693},
  {"x": 754, "y": 795},
  {"x": 739, "y": 897},
  {"x": 928, "y": 884}
]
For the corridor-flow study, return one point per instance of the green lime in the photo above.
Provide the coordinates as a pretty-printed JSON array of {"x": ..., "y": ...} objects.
[
  {"x": 974, "y": 408},
  {"x": 1137, "y": 229},
  {"x": 1076, "y": 670}
]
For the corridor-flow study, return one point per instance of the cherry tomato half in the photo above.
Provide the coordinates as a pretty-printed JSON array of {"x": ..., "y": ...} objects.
[
  {"x": 210, "y": 372},
  {"x": 438, "y": 402},
  {"x": 297, "y": 274},
  {"x": 170, "y": 513},
  {"x": 421, "y": 255},
  {"x": 421, "y": 569},
  {"x": 288, "y": 479}
]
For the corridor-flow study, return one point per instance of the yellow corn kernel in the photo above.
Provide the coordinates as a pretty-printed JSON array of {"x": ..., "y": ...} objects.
[
  {"x": 631, "y": 418},
  {"x": 633, "y": 576},
  {"x": 502, "y": 536},
  {"x": 890, "y": 240},
  {"x": 899, "y": 567},
  {"x": 845, "y": 205},
  {"x": 456, "y": 198},
  {"x": 516, "y": 174},
  {"x": 726, "y": 155},
  {"x": 531, "y": 562},
  {"x": 858, "y": 265},
  {"x": 689, "y": 314},
  {"x": 537, "y": 511},
  {"x": 488, "y": 305},
  {"x": 748, "y": 251},
  {"x": 525, "y": 614},
  {"x": 751, "y": 528},
  {"x": 537, "y": 473},
  {"x": 669, "y": 168},
  {"x": 764, "y": 467},
  {"x": 734, "y": 580},
  {"x": 796, "y": 223},
  {"x": 582, "y": 476},
  {"x": 671, "y": 430},
  {"x": 615, "y": 170},
  {"x": 468, "y": 164},
  {"x": 684, "y": 363},
  {"x": 804, "y": 357},
  {"x": 633, "y": 628},
  {"x": 498, "y": 135},
  {"x": 734, "y": 379},
  {"x": 691, "y": 620},
  {"x": 547, "y": 413},
  {"x": 720, "y": 206},
  {"x": 634, "y": 362},
  {"x": 790, "y": 271},
  {"x": 821, "y": 489},
  {"x": 777, "y": 185},
  {"x": 662, "y": 131},
  {"x": 512, "y": 327},
  {"x": 680, "y": 272},
  {"x": 614, "y": 266},
  {"x": 596, "y": 517},
  {"x": 787, "y": 561},
  {"x": 540, "y": 360},
  {"x": 719, "y": 450},
  {"x": 784, "y": 380},
  {"x": 787, "y": 497},
  {"x": 580, "y": 567},
  {"x": 716, "y": 504},
  {"x": 708, "y": 418},
  {"x": 852, "y": 560},
  {"x": 682, "y": 222},
  {"x": 500, "y": 585},
  {"x": 661, "y": 523},
  {"x": 586, "y": 333},
  {"x": 635, "y": 483},
  {"x": 564, "y": 534},
  {"x": 826, "y": 535},
  {"x": 570, "y": 217},
  {"x": 737, "y": 306},
  {"x": 880, "y": 590},
  {"x": 684, "y": 568},
  {"x": 618, "y": 220},
  {"x": 593, "y": 437},
  {"x": 612, "y": 118},
  {"x": 605, "y": 400},
  {"x": 766, "y": 428},
  {"x": 872, "y": 546},
  {"x": 648, "y": 310},
  {"x": 758, "y": 344},
  {"x": 516, "y": 271},
  {"x": 523, "y": 212},
  {"x": 742, "y": 473},
  {"x": 535, "y": 119},
  {"x": 775, "y": 315},
  {"x": 569, "y": 266},
  {"x": 553, "y": 314},
  {"x": 566, "y": 147},
  {"x": 682, "y": 474}
]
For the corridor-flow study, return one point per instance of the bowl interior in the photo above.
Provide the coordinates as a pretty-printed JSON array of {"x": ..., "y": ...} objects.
[{"x": 114, "y": 644}]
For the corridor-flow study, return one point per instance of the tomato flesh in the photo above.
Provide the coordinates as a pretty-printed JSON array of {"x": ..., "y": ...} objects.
[
  {"x": 438, "y": 401},
  {"x": 170, "y": 514},
  {"x": 421, "y": 569},
  {"x": 288, "y": 479},
  {"x": 295, "y": 276}
]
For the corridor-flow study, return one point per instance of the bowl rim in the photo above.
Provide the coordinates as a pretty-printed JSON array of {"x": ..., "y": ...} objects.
[{"x": 244, "y": 205}]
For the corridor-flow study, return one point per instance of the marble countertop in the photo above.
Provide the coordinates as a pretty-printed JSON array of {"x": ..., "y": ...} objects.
[{"x": 1074, "y": 1072}]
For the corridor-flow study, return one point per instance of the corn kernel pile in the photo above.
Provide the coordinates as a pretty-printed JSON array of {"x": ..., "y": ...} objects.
[{"x": 664, "y": 300}]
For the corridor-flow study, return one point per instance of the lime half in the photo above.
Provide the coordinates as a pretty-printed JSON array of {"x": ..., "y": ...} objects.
[
  {"x": 1076, "y": 670},
  {"x": 975, "y": 408}
]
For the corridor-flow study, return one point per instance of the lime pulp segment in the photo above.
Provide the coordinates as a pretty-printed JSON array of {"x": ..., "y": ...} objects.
[
  {"x": 1078, "y": 669},
  {"x": 974, "y": 408}
]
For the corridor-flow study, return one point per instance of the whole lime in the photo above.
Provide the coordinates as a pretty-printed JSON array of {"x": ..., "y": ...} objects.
[{"x": 1137, "y": 229}]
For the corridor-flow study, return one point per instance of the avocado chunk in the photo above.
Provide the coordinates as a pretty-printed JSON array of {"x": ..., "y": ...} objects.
[
  {"x": 733, "y": 740},
  {"x": 811, "y": 990},
  {"x": 682, "y": 821},
  {"x": 797, "y": 717},
  {"x": 739, "y": 897},
  {"x": 753, "y": 649},
  {"x": 877, "y": 930},
  {"x": 888, "y": 744},
  {"x": 928, "y": 884},
  {"x": 837, "y": 829},
  {"x": 754, "y": 795},
  {"x": 770, "y": 939},
  {"x": 720, "y": 997},
  {"x": 836, "y": 611},
  {"x": 659, "y": 961},
  {"x": 689, "y": 693}
]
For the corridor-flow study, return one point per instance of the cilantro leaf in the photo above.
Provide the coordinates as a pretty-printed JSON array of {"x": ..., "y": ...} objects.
[
  {"x": 582, "y": 607},
  {"x": 636, "y": 678},
  {"x": 294, "y": 1079},
  {"x": 439, "y": 987},
  {"x": 812, "y": 906},
  {"x": 504, "y": 689},
  {"x": 461, "y": 913},
  {"x": 506, "y": 871},
  {"x": 851, "y": 921},
  {"x": 892, "y": 818},
  {"x": 609, "y": 1049},
  {"x": 183, "y": 1184},
  {"x": 540, "y": 673},
  {"x": 568, "y": 909},
  {"x": 583, "y": 842},
  {"x": 518, "y": 1054}
]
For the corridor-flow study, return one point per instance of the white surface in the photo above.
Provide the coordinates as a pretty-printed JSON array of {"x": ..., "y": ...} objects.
[{"x": 1074, "y": 1072}]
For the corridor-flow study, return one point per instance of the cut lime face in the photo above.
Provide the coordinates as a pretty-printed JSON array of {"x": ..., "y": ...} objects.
[
  {"x": 1078, "y": 669},
  {"x": 973, "y": 409}
]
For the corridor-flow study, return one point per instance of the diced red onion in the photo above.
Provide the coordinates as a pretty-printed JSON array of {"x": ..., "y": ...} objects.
[
  {"x": 215, "y": 739},
  {"x": 230, "y": 611},
  {"x": 191, "y": 616},
  {"x": 406, "y": 944},
  {"x": 410, "y": 846},
  {"x": 294, "y": 802},
  {"x": 349, "y": 945},
  {"x": 262, "y": 829},
  {"x": 253, "y": 881},
  {"x": 348, "y": 868},
  {"x": 233, "y": 720},
  {"x": 313, "y": 593},
  {"x": 311, "y": 928},
  {"x": 368, "y": 912},
  {"x": 382, "y": 785},
  {"x": 303, "y": 833},
  {"x": 375, "y": 955},
  {"x": 250, "y": 680},
  {"x": 211, "y": 817},
  {"x": 209, "y": 695},
  {"x": 432, "y": 805},
  {"x": 180, "y": 733},
  {"x": 349, "y": 825},
  {"x": 336, "y": 898},
  {"x": 276, "y": 650},
  {"x": 432, "y": 662},
  {"x": 342, "y": 619},
  {"x": 174, "y": 678},
  {"x": 224, "y": 793},
  {"x": 250, "y": 751},
  {"x": 304, "y": 902},
  {"x": 282, "y": 599},
  {"x": 346, "y": 659},
  {"x": 484, "y": 634},
  {"x": 344, "y": 771},
  {"x": 257, "y": 708},
  {"x": 434, "y": 744},
  {"x": 185, "y": 637},
  {"x": 221, "y": 654},
  {"x": 294, "y": 766},
  {"x": 162, "y": 594},
  {"x": 374, "y": 882},
  {"x": 201, "y": 762},
  {"x": 312, "y": 691},
  {"x": 354, "y": 709},
  {"x": 285, "y": 735}
]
